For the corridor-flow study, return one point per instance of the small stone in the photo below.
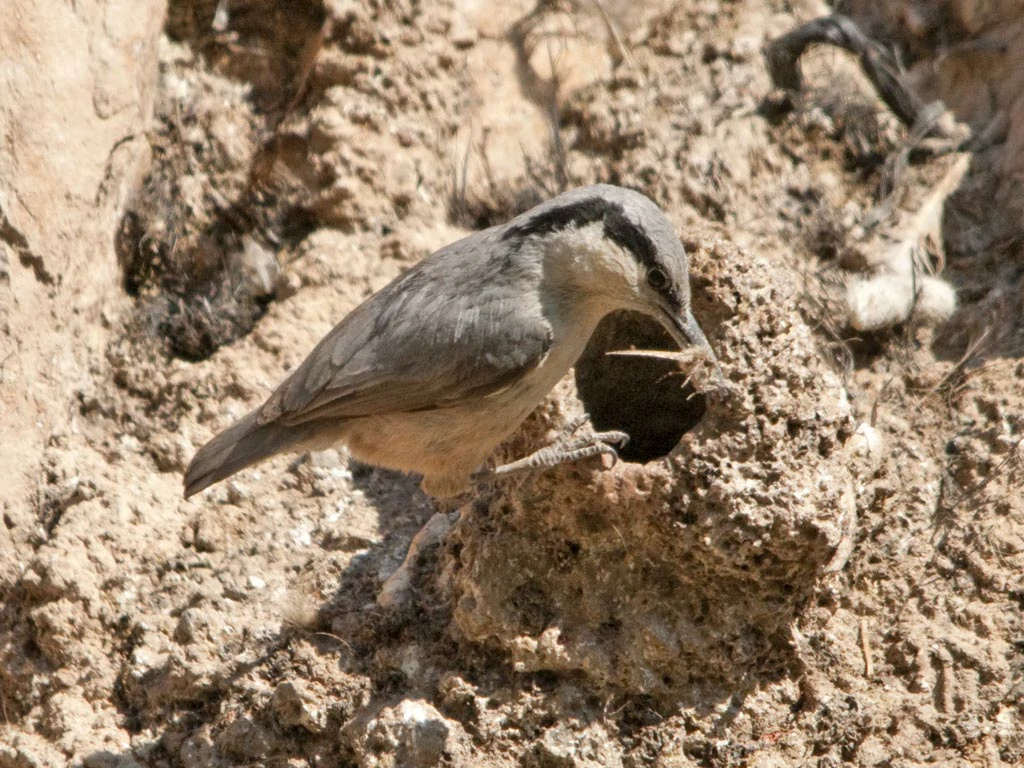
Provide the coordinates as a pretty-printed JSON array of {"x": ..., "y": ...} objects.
[
  {"x": 256, "y": 582},
  {"x": 406, "y": 137},
  {"x": 244, "y": 740},
  {"x": 590, "y": 748},
  {"x": 208, "y": 534},
  {"x": 294, "y": 707},
  {"x": 329, "y": 459},
  {"x": 287, "y": 285},
  {"x": 237, "y": 492},
  {"x": 414, "y": 734}
]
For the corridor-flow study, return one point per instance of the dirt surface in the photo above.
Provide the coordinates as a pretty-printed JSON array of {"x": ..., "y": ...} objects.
[{"x": 819, "y": 565}]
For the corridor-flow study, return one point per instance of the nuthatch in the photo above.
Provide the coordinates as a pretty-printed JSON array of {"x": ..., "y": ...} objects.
[{"x": 437, "y": 368}]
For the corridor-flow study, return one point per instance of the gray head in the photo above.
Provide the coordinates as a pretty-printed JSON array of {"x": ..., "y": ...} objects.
[{"x": 618, "y": 249}]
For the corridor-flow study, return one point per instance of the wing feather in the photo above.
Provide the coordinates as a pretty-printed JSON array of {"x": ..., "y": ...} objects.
[{"x": 447, "y": 331}]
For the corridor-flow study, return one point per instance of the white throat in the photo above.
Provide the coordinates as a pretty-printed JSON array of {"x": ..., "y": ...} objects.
[{"x": 600, "y": 274}]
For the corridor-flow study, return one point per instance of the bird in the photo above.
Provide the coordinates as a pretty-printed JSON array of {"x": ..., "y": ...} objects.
[{"x": 432, "y": 372}]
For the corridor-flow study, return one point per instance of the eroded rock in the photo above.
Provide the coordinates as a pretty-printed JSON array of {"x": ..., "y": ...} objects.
[{"x": 654, "y": 578}]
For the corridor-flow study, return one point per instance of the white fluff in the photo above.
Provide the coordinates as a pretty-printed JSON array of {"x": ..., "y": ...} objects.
[{"x": 888, "y": 298}]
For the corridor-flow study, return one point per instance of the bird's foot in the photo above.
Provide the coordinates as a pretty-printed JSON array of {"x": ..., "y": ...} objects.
[{"x": 569, "y": 447}]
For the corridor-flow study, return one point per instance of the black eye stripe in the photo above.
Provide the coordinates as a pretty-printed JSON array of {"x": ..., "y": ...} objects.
[
  {"x": 617, "y": 226},
  {"x": 619, "y": 229}
]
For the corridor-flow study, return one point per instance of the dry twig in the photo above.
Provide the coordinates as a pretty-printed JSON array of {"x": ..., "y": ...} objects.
[{"x": 878, "y": 64}]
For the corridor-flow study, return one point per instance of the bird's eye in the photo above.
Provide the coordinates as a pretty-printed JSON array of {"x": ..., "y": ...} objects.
[{"x": 656, "y": 278}]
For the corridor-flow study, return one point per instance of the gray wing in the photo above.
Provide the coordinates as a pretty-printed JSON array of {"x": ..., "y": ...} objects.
[{"x": 445, "y": 332}]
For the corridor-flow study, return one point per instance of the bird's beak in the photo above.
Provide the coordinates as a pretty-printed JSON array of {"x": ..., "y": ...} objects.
[{"x": 685, "y": 331}]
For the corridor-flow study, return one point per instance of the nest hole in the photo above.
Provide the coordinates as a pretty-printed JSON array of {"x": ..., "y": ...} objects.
[{"x": 646, "y": 398}]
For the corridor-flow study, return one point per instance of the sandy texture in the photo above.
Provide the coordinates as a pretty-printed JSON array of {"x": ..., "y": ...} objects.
[{"x": 820, "y": 565}]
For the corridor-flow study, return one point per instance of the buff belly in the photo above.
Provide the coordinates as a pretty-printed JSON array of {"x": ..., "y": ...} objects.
[{"x": 446, "y": 445}]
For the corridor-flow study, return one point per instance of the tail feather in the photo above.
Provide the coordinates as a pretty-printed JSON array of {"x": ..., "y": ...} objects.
[{"x": 239, "y": 446}]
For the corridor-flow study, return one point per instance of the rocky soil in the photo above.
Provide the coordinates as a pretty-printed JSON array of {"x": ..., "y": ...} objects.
[{"x": 819, "y": 565}]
